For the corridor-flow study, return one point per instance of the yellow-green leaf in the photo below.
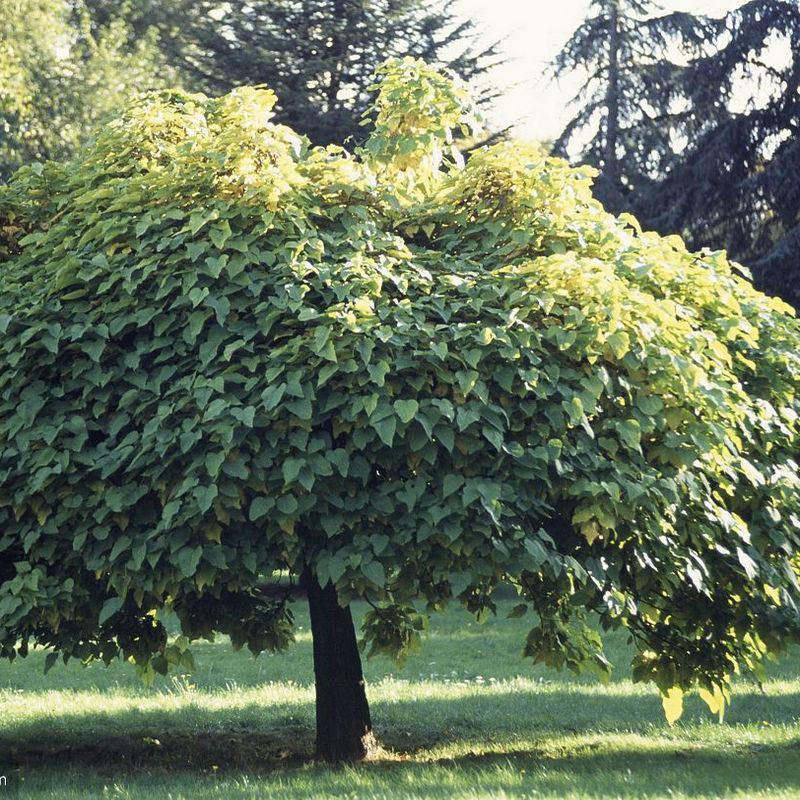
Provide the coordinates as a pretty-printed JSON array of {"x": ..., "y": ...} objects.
[{"x": 672, "y": 701}]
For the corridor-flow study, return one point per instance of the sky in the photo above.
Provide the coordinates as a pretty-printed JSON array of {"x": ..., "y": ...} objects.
[{"x": 532, "y": 31}]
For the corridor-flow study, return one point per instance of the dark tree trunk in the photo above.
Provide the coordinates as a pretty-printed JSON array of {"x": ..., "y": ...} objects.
[
  {"x": 611, "y": 165},
  {"x": 344, "y": 727}
]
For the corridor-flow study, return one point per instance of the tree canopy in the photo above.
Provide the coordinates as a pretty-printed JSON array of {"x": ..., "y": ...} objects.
[{"x": 227, "y": 354}]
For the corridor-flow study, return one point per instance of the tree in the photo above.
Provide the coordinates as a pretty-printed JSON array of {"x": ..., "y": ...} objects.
[
  {"x": 736, "y": 183},
  {"x": 57, "y": 79},
  {"x": 319, "y": 57},
  {"x": 228, "y": 355},
  {"x": 629, "y": 101},
  {"x": 697, "y": 121}
]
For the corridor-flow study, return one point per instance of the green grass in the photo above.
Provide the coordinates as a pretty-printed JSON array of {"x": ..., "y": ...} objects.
[{"x": 467, "y": 718}]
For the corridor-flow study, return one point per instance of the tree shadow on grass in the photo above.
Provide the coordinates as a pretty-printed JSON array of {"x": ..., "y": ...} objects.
[
  {"x": 503, "y": 740},
  {"x": 591, "y": 771},
  {"x": 596, "y": 770}
]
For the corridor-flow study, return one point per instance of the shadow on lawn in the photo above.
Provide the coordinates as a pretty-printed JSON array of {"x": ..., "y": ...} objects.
[
  {"x": 260, "y": 738},
  {"x": 682, "y": 770}
]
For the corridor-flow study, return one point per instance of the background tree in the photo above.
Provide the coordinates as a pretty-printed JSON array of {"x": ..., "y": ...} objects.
[
  {"x": 736, "y": 182},
  {"x": 391, "y": 377},
  {"x": 318, "y": 55},
  {"x": 694, "y": 122},
  {"x": 622, "y": 125},
  {"x": 57, "y": 79}
]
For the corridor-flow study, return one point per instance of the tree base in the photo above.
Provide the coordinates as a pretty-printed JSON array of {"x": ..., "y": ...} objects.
[{"x": 344, "y": 726}]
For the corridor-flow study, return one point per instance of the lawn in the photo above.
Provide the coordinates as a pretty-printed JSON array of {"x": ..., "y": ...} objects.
[{"x": 467, "y": 718}]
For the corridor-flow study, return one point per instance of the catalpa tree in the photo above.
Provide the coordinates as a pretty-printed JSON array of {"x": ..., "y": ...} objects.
[{"x": 386, "y": 376}]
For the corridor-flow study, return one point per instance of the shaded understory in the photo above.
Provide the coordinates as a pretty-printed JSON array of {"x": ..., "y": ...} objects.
[{"x": 468, "y": 718}]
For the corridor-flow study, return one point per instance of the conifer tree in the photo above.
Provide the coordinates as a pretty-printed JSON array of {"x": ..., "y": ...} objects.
[
  {"x": 736, "y": 183},
  {"x": 696, "y": 124},
  {"x": 318, "y": 55},
  {"x": 624, "y": 110}
]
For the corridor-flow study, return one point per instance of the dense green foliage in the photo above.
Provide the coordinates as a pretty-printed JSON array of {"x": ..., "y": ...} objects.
[
  {"x": 692, "y": 121},
  {"x": 58, "y": 77},
  {"x": 226, "y": 354}
]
